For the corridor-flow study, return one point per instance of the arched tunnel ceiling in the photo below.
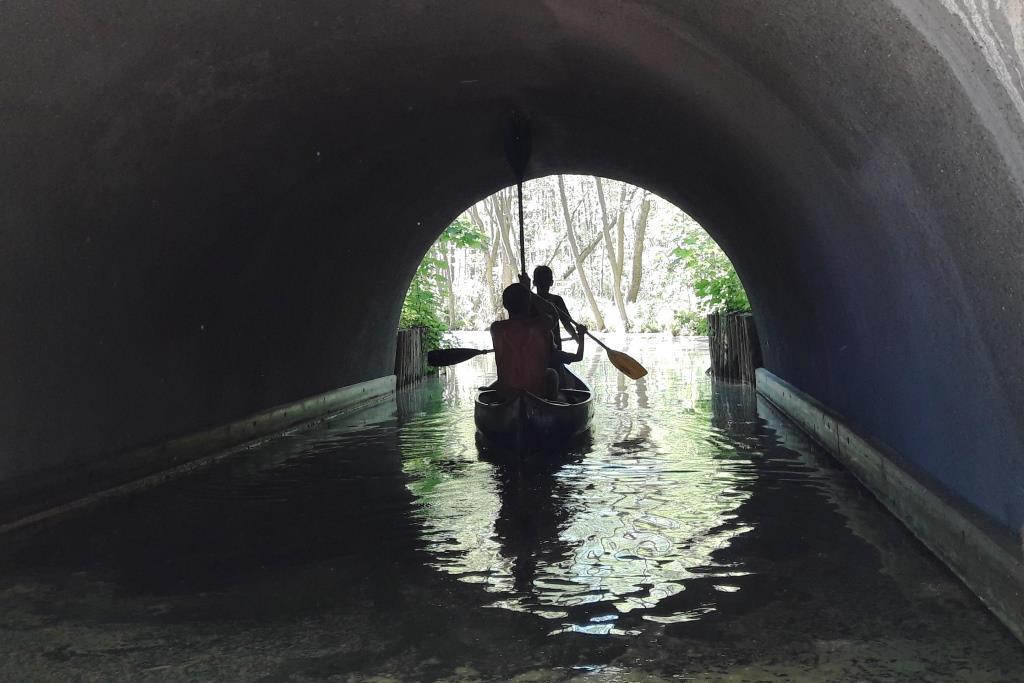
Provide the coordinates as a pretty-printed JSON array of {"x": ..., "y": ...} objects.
[{"x": 212, "y": 208}]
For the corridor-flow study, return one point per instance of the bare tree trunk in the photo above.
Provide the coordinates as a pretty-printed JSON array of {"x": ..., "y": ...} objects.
[
  {"x": 449, "y": 256},
  {"x": 614, "y": 259},
  {"x": 500, "y": 208},
  {"x": 554, "y": 252},
  {"x": 587, "y": 251},
  {"x": 489, "y": 258},
  {"x": 639, "y": 231},
  {"x": 491, "y": 205},
  {"x": 575, "y": 249},
  {"x": 495, "y": 298},
  {"x": 621, "y": 224}
]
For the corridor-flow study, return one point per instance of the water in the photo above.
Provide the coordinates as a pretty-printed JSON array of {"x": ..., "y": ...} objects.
[
  {"x": 595, "y": 540},
  {"x": 694, "y": 535}
]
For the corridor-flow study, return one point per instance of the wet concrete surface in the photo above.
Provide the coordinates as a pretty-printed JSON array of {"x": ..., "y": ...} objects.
[{"x": 696, "y": 535}]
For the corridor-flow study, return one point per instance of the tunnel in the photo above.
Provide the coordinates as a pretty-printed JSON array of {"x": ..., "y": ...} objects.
[{"x": 213, "y": 209}]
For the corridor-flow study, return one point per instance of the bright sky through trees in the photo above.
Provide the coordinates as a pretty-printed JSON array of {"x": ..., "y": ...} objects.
[{"x": 624, "y": 259}]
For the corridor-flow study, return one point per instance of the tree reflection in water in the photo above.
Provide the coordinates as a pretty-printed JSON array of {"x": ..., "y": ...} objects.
[{"x": 610, "y": 528}]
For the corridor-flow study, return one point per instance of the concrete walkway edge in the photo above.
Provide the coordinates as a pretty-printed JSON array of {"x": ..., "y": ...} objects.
[
  {"x": 44, "y": 496},
  {"x": 986, "y": 557}
]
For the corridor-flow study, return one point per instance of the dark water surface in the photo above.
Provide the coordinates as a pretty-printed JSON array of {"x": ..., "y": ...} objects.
[{"x": 694, "y": 536}]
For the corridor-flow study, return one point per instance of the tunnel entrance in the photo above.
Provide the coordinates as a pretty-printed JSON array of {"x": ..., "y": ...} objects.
[
  {"x": 694, "y": 534},
  {"x": 212, "y": 213},
  {"x": 623, "y": 259}
]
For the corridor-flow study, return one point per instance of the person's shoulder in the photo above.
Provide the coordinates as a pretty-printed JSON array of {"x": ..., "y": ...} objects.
[
  {"x": 555, "y": 299},
  {"x": 511, "y": 323}
]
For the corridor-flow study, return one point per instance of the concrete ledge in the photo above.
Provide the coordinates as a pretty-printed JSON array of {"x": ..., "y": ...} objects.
[
  {"x": 44, "y": 495},
  {"x": 986, "y": 557}
]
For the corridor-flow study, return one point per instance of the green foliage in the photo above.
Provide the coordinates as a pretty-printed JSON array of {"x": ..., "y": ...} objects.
[
  {"x": 692, "y": 322},
  {"x": 424, "y": 302},
  {"x": 683, "y": 268},
  {"x": 714, "y": 279},
  {"x": 649, "y": 325},
  {"x": 463, "y": 235},
  {"x": 420, "y": 308}
]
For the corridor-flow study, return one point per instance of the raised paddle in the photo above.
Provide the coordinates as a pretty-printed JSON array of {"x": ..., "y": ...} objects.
[{"x": 518, "y": 145}]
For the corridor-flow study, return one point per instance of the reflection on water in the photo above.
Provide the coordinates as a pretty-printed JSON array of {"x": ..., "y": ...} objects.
[
  {"x": 614, "y": 525},
  {"x": 383, "y": 547}
]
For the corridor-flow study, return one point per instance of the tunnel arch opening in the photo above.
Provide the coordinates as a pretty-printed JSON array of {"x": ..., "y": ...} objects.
[
  {"x": 181, "y": 185},
  {"x": 647, "y": 266}
]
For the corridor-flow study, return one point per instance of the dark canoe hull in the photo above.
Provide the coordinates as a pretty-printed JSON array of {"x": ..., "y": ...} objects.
[{"x": 530, "y": 422}]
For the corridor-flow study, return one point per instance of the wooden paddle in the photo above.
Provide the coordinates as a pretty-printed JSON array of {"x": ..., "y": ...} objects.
[
  {"x": 623, "y": 362},
  {"x": 440, "y": 358},
  {"x": 518, "y": 145}
]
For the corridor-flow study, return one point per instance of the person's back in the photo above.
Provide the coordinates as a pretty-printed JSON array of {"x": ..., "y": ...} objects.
[{"x": 522, "y": 353}]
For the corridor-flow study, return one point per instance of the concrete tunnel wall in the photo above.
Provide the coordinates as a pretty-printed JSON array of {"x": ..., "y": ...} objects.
[{"x": 213, "y": 208}]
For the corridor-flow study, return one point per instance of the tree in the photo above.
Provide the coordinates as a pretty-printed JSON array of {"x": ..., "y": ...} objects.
[
  {"x": 490, "y": 258},
  {"x": 615, "y": 248},
  {"x": 577, "y": 258},
  {"x": 713, "y": 277},
  {"x": 499, "y": 207},
  {"x": 639, "y": 233},
  {"x": 459, "y": 235},
  {"x": 612, "y": 245},
  {"x": 420, "y": 308},
  {"x": 434, "y": 281}
]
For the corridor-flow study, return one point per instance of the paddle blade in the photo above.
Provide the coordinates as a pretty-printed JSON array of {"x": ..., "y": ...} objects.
[
  {"x": 440, "y": 358},
  {"x": 627, "y": 365}
]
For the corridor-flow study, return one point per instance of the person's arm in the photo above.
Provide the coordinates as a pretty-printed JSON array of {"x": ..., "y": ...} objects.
[
  {"x": 565, "y": 356},
  {"x": 558, "y": 303},
  {"x": 541, "y": 305}
]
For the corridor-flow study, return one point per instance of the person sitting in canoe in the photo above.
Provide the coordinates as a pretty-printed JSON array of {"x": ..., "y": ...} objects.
[
  {"x": 524, "y": 349},
  {"x": 543, "y": 278}
]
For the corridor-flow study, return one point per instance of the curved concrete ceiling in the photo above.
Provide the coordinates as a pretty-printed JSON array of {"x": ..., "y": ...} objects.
[{"x": 211, "y": 208}]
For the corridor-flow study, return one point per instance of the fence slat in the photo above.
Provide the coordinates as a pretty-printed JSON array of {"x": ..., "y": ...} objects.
[
  {"x": 410, "y": 357},
  {"x": 735, "y": 349}
]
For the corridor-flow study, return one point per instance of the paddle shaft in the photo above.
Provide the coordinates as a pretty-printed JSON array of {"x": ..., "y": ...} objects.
[
  {"x": 566, "y": 314},
  {"x": 442, "y": 358},
  {"x": 483, "y": 351},
  {"x": 624, "y": 363},
  {"x": 517, "y": 151},
  {"x": 522, "y": 233},
  {"x": 599, "y": 342}
]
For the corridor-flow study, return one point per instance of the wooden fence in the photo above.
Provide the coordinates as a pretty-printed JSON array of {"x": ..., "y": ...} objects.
[
  {"x": 411, "y": 357},
  {"x": 735, "y": 350}
]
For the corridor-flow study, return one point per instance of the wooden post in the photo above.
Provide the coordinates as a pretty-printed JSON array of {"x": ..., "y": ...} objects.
[
  {"x": 410, "y": 357},
  {"x": 735, "y": 349}
]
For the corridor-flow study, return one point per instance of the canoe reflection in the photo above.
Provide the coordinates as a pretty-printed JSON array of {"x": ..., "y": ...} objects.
[
  {"x": 532, "y": 512},
  {"x": 606, "y": 535}
]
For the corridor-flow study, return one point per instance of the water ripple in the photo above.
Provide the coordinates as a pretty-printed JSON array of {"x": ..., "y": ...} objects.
[{"x": 616, "y": 527}]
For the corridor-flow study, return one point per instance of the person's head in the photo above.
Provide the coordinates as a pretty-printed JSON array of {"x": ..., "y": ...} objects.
[
  {"x": 543, "y": 277},
  {"x": 516, "y": 299}
]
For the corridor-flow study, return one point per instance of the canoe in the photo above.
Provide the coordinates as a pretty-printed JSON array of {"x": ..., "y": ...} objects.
[{"x": 529, "y": 421}]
